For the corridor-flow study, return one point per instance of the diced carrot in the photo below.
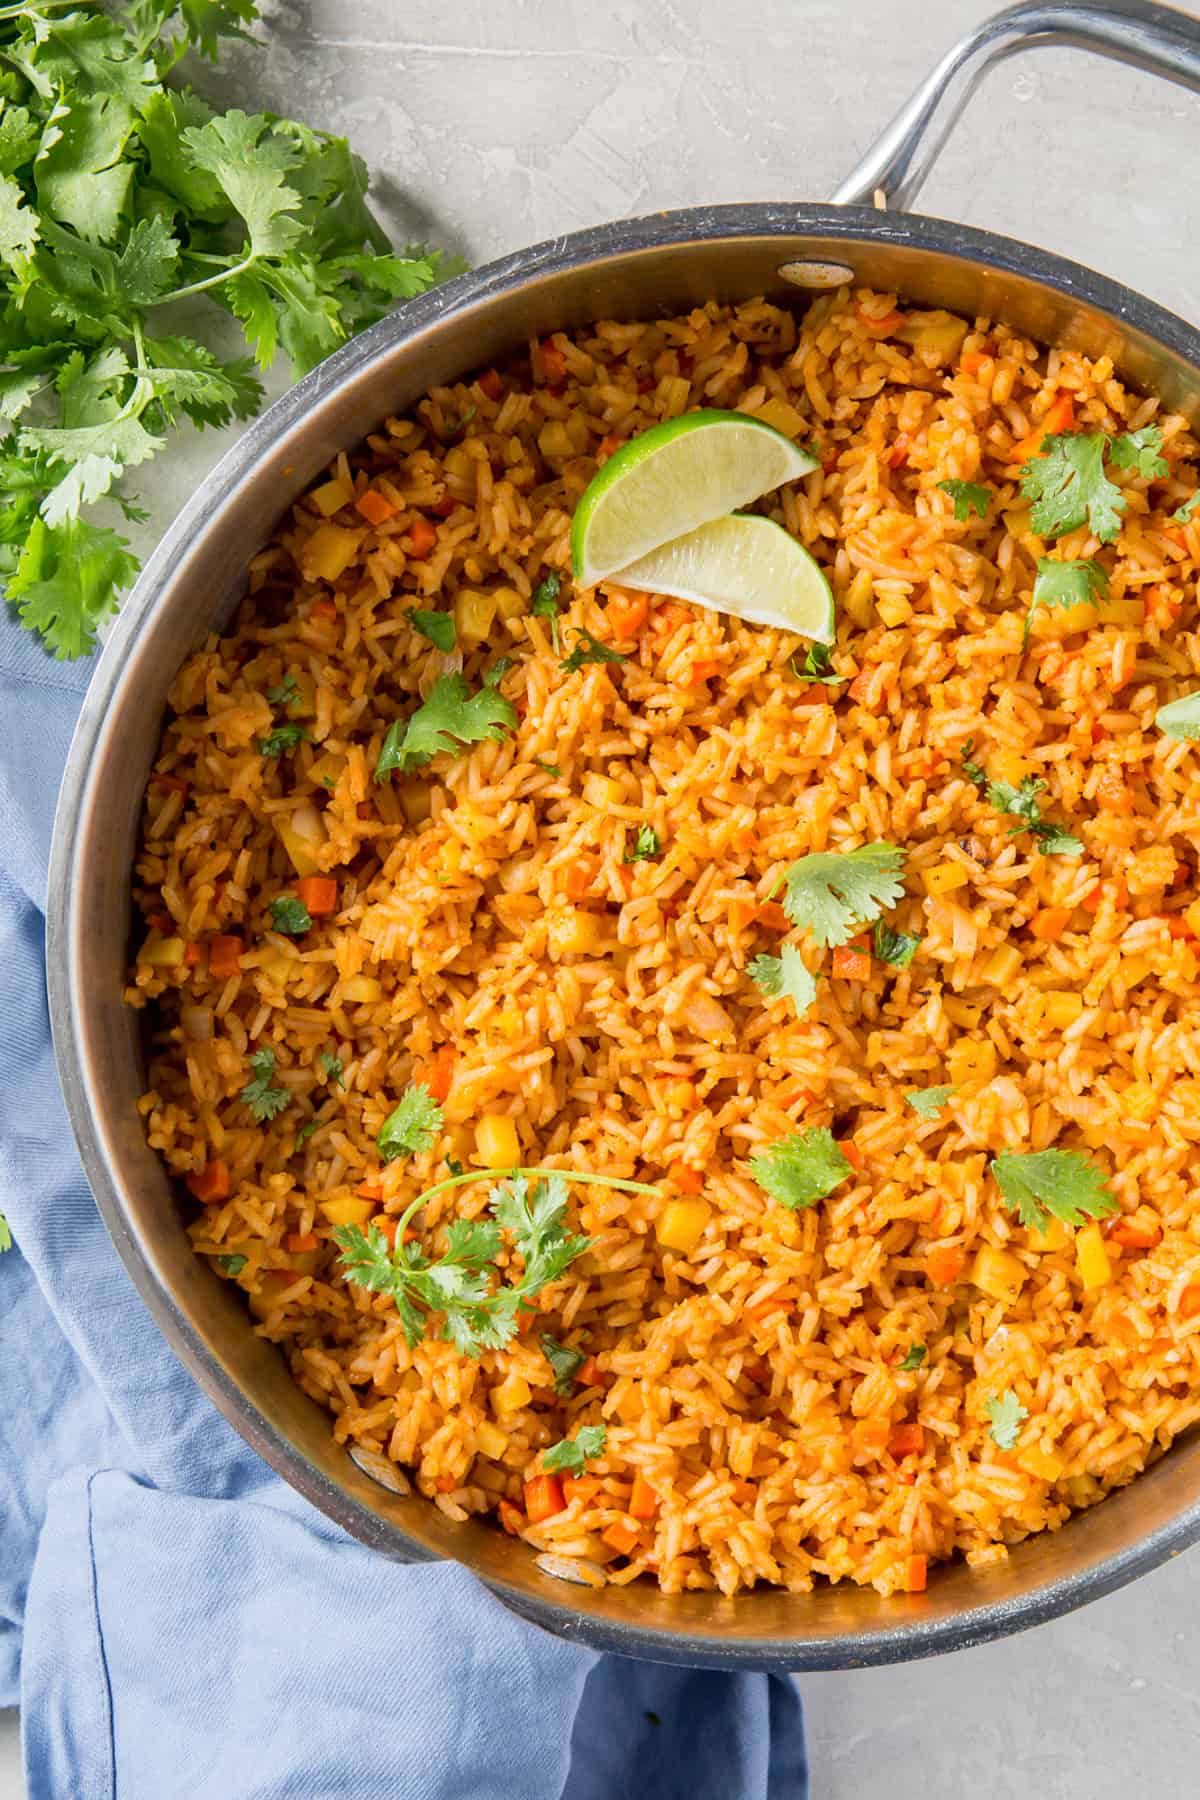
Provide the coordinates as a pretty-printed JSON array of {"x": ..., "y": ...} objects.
[
  {"x": 627, "y": 614},
  {"x": 543, "y": 1498},
  {"x": 907, "y": 1440},
  {"x": 643, "y": 1501},
  {"x": 872, "y": 1434},
  {"x": 369, "y": 1190},
  {"x": 193, "y": 955},
  {"x": 422, "y": 536},
  {"x": 1113, "y": 794},
  {"x": 879, "y": 326},
  {"x": 554, "y": 363},
  {"x": 916, "y": 1571},
  {"x": 906, "y": 1477},
  {"x": 608, "y": 446},
  {"x": 740, "y": 914},
  {"x": 160, "y": 921},
  {"x": 319, "y": 893},
  {"x": 869, "y": 686},
  {"x": 852, "y": 1153},
  {"x": 687, "y": 1180},
  {"x": 621, "y": 1536},
  {"x": 224, "y": 956},
  {"x": 795, "y": 1095},
  {"x": 1177, "y": 927},
  {"x": 442, "y": 1073},
  {"x": 1163, "y": 606},
  {"x": 588, "y": 1374},
  {"x": 169, "y": 784},
  {"x": 580, "y": 1487},
  {"x": 1189, "y": 1302},
  {"x": 944, "y": 1265},
  {"x": 322, "y": 609},
  {"x": 490, "y": 384},
  {"x": 1059, "y": 417},
  {"x": 511, "y": 1518},
  {"x": 772, "y": 915},
  {"x": 385, "y": 1225},
  {"x": 703, "y": 669},
  {"x": 972, "y": 361},
  {"x": 212, "y": 1183},
  {"x": 1177, "y": 535},
  {"x": 1050, "y": 923},
  {"x": 375, "y": 507},
  {"x": 1136, "y": 1235},
  {"x": 302, "y": 1240},
  {"x": 850, "y": 963},
  {"x": 897, "y": 456},
  {"x": 445, "y": 506},
  {"x": 1116, "y": 891},
  {"x": 524, "y": 1322},
  {"x": 580, "y": 876}
]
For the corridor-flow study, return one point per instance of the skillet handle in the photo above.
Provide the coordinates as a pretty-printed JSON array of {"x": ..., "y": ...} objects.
[{"x": 1158, "y": 39}]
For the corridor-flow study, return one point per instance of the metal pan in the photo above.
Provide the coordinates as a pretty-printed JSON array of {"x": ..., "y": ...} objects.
[{"x": 641, "y": 268}]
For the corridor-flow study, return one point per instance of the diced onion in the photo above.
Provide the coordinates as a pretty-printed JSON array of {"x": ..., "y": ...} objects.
[{"x": 197, "y": 1022}]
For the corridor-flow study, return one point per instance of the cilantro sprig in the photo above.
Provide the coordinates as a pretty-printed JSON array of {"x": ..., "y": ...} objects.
[
  {"x": 589, "y": 649},
  {"x": 801, "y": 1169},
  {"x": 445, "y": 723},
  {"x": 119, "y": 198},
  {"x": 264, "y": 1101},
  {"x": 1062, "y": 1183},
  {"x": 565, "y": 1363},
  {"x": 928, "y": 1102},
  {"x": 545, "y": 603},
  {"x": 411, "y": 1126},
  {"x": 818, "y": 666},
  {"x": 1022, "y": 803},
  {"x": 916, "y": 1356},
  {"x": 437, "y": 627},
  {"x": 1067, "y": 484},
  {"x": 968, "y": 498},
  {"x": 570, "y": 1456},
  {"x": 290, "y": 915},
  {"x": 895, "y": 947},
  {"x": 785, "y": 977},
  {"x": 646, "y": 846},
  {"x": 1066, "y": 583},
  {"x": 1007, "y": 1416},
  {"x": 832, "y": 893}
]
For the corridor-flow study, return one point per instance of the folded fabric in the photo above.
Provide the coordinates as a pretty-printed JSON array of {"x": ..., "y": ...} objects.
[{"x": 184, "y": 1624}]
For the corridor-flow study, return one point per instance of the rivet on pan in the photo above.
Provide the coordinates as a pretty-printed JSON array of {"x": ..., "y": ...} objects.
[
  {"x": 573, "y": 1569},
  {"x": 816, "y": 274},
  {"x": 380, "y": 1469}
]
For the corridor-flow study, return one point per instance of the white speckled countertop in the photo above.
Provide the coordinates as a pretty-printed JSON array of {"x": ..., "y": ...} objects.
[{"x": 492, "y": 126}]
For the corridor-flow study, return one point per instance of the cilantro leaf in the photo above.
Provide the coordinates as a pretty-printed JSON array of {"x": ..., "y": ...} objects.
[
  {"x": 232, "y": 1265},
  {"x": 589, "y": 649},
  {"x": 249, "y": 159},
  {"x": 895, "y": 947},
  {"x": 535, "y": 1221},
  {"x": 1023, "y": 804},
  {"x": 565, "y": 1364},
  {"x": 1063, "y": 583},
  {"x": 1007, "y": 1416},
  {"x": 285, "y": 690},
  {"x": 548, "y": 768},
  {"x": 571, "y": 1455},
  {"x": 67, "y": 580},
  {"x": 832, "y": 893},
  {"x": 1059, "y": 1182},
  {"x": 449, "y": 718},
  {"x": 1183, "y": 514},
  {"x": 916, "y": 1356},
  {"x": 970, "y": 769},
  {"x": 333, "y": 1068},
  {"x": 818, "y": 666},
  {"x": 801, "y": 1169},
  {"x": 1069, "y": 488},
  {"x": 283, "y": 737},
  {"x": 783, "y": 976},
  {"x": 968, "y": 498},
  {"x": 546, "y": 604},
  {"x": 306, "y": 1131},
  {"x": 265, "y": 1102},
  {"x": 1180, "y": 718},
  {"x": 1141, "y": 451},
  {"x": 290, "y": 915},
  {"x": 646, "y": 845},
  {"x": 928, "y": 1102},
  {"x": 438, "y": 627},
  {"x": 411, "y": 1126}
]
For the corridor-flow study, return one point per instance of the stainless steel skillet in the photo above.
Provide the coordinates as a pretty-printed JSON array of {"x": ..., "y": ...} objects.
[{"x": 636, "y": 268}]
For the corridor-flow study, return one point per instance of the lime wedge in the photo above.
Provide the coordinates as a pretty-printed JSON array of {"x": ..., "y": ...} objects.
[
  {"x": 672, "y": 478},
  {"x": 746, "y": 566}
]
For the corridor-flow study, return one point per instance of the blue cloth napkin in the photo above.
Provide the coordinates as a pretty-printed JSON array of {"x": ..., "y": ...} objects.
[{"x": 174, "y": 1619}]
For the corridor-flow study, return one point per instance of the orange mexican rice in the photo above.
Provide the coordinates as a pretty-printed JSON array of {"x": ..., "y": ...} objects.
[{"x": 551, "y": 932}]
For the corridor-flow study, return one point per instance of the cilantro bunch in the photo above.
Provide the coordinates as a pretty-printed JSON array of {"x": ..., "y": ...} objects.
[{"x": 120, "y": 196}]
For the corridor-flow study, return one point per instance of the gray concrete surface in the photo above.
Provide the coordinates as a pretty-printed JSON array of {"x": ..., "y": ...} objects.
[{"x": 493, "y": 125}]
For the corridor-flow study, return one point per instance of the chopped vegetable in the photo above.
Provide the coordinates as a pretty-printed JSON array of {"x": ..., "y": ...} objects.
[
  {"x": 916, "y": 1356},
  {"x": 801, "y": 1169},
  {"x": 571, "y": 1455},
  {"x": 285, "y": 690},
  {"x": 970, "y": 769},
  {"x": 1141, "y": 451},
  {"x": 968, "y": 498},
  {"x": 224, "y": 956},
  {"x": 589, "y": 649},
  {"x": 232, "y": 1265},
  {"x": 645, "y": 846},
  {"x": 1180, "y": 718},
  {"x": 548, "y": 768},
  {"x": 332, "y": 1066},
  {"x": 895, "y": 947},
  {"x": 852, "y": 961},
  {"x": 1183, "y": 514},
  {"x": 944, "y": 1264},
  {"x": 450, "y": 718},
  {"x": 319, "y": 894},
  {"x": 497, "y": 1142},
  {"x": 565, "y": 1364},
  {"x": 411, "y": 1126},
  {"x": 1022, "y": 803},
  {"x": 265, "y": 1102},
  {"x": 1064, "y": 1183},
  {"x": 682, "y": 1225},
  {"x": 830, "y": 893},
  {"x": 543, "y": 1498},
  {"x": 785, "y": 976},
  {"x": 305, "y": 1132},
  {"x": 1007, "y": 1416},
  {"x": 1091, "y": 1258},
  {"x": 818, "y": 666},
  {"x": 1061, "y": 583},
  {"x": 438, "y": 627},
  {"x": 290, "y": 915},
  {"x": 545, "y": 603},
  {"x": 928, "y": 1102},
  {"x": 284, "y": 737},
  {"x": 1067, "y": 483}
]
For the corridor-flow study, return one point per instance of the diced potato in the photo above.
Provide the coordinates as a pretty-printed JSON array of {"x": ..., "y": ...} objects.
[
  {"x": 1060, "y": 1007},
  {"x": 963, "y": 1013},
  {"x": 277, "y": 968},
  {"x": 490, "y": 1440},
  {"x": 473, "y": 614},
  {"x": 348, "y": 1211},
  {"x": 1138, "y": 1100},
  {"x": 999, "y": 1274},
  {"x": 163, "y": 953},
  {"x": 601, "y": 791},
  {"x": 1054, "y": 1237},
  {"x": 944, "y": 877},
  {"x": 782, "y": 416},
  {"x": 1092, "y": 1258},
  {"x": 554, "y": 440},
  {"x": 302, "y": 834},
  {"x": 894, "y": 612},
  {"x": 333, "y": 495},
  {"x": 573, "y": 932},
  {"x": 971, "y": 1062},
  {"x": 1043, "y": 1464},
  {"x": 1002, "y": 965},
  {"x": 682, "y": 1225},
  {"x": 1063, "y": 621},
  {"x": 1133, "y": 970},
  {"x": 362, "y": 990},
  {"x": 327, "y": 771},
  {"x": 859, "y": 602},
  {"x": 416, "y": 800},
  {"x": 1006, "y": 765},
  {"x": 938, "y": 333},
  {"x": 510, "y": 604},
  {"x": 330, "y": 551},
  {"x": 496, "y": 1141},
  {"x": 512, "y": 1394}
]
